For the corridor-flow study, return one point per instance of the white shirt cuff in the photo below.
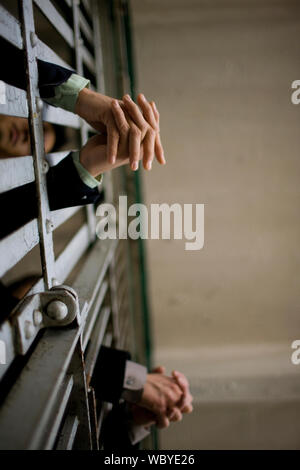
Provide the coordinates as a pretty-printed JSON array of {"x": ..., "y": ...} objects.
[
  {"x": 67, "y": 93},
  {"x": 134, "y": 380},
  {"x": 137, "y": 433},
  {"x": 86, "y": 177}
]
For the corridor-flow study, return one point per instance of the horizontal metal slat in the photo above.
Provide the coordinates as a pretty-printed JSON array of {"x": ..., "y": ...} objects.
[
  {"x": 47, "y": 54},
  {"x": 94, "y": 269},
  {"x": 88, "y": 60},
  {"x": 56, "y": 20},
  {"x": 96, "y": 341},
  {"x": 58, "y": 412},
  {"x": 33, "y": 397},
  {"x": 121, "y": 271},
  {"x": 54, "y": 158},
  {"x": 62, "y": 215},
  {"x": 87, "y": 6},
  {"x": 82, "y": 236},
  {"x": 15, "y": 172},
  {"x": 68, "y": 433},
  {"x": 15, "y": 246},
  {"x": 10, "y": 28},
  {"x": 13, "y": 101},
  {"x": 123, "y": 295},
  {"x": 16, "y": 102},
  {"x": 124, "y": 336},
  {"x": 48, "y": 364},
  {"x": 93, "y": 313},
  {"x": 7, "y": 336},
  {"x": 72, "y": 253},
  {"x": 86, "y": 29},
  {"x": 60, "y": 116},
  {"x": 64, "y": 271}
]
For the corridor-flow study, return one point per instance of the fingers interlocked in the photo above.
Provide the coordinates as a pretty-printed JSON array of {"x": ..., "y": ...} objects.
[
  {"x": 173, "y": 397},
  {"x": 138, "y": 129}
]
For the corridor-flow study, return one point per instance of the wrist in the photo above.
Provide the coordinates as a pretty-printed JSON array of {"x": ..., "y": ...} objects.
[
  {"x": 90, "y": 105},
  {"x": 93, "y": 155},
  {"x": 81, "y": 101},
  {"x": 84, "y": 174},
  {"x": 85, "y": 160}
]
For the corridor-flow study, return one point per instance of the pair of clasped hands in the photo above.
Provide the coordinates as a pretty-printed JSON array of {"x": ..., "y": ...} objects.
[
  {"x": 130, "y": 133},
  {"x": 164, "y": 399}
]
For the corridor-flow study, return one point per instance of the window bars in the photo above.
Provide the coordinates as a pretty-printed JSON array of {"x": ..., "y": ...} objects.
[{"x": 50, "y": 401}]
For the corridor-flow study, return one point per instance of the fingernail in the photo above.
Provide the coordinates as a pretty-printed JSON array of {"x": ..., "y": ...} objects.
[
  {"x": 143, "y": 97},
  {"x": 134, "y": 166},
  {"x": 127, "y": 97},
  {"x": 115, "y": 103},
  {"x": 149, "y": 166},
  {"x": 112, "y": 159},
  {"x": 154, "y": 106}
]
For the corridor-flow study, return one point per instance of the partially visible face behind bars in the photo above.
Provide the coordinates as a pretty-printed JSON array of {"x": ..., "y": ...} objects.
[{"x": 15, "y": 138}]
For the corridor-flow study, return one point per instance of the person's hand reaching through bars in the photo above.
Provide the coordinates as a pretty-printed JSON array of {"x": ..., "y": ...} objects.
[
  {"x": 164, "y": 399},
  {"x": 124, "y": 126},
  {"x": 144, "y": 124},
  {"x": 93, "y": 156}
]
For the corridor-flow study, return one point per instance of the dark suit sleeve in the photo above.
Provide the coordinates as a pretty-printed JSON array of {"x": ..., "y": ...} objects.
[
  {"x": 108, "y": 376},
  {"x": 50, "y": 75},
  {"x": 115, "y": 430},
  {"x": 65, "y": 189}
]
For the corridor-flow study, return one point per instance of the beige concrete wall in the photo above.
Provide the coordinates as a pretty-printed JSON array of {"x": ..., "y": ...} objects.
[{"x": 220, "y": 73}]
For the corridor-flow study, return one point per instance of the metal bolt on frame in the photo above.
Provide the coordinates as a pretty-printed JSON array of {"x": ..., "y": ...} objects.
[{"x": 57, "y": 310}]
